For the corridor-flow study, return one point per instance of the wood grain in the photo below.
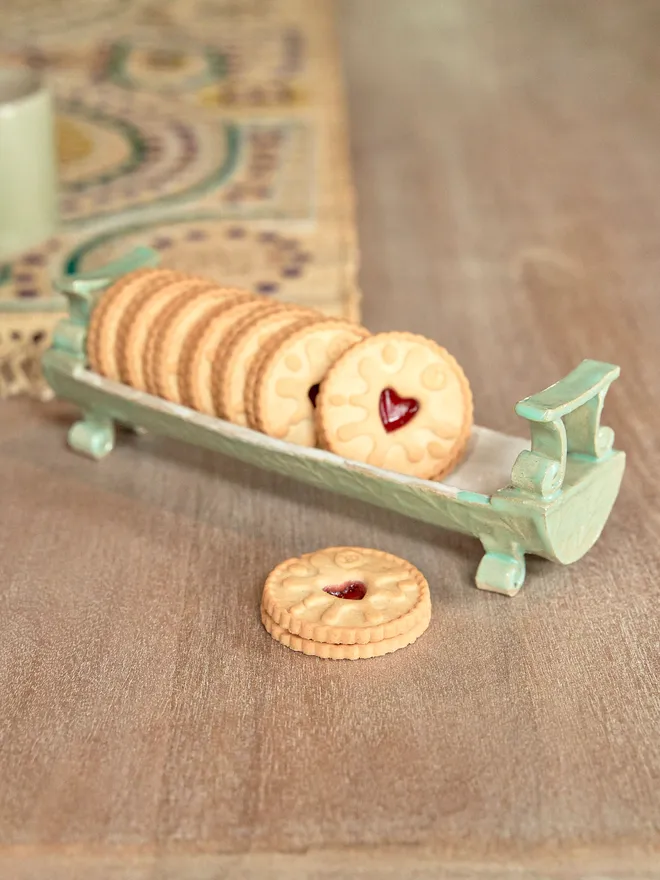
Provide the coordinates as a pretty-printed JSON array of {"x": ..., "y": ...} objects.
[{"x": 507, "y": 155}]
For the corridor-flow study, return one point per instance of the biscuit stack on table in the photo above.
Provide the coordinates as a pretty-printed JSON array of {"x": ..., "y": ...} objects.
[
  {"x": 394, "y": 400},
  {"x": 346, "y": 603}
]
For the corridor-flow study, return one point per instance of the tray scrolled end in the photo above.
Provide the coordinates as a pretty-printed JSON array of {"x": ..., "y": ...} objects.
[{"x": 564, "y": 420}]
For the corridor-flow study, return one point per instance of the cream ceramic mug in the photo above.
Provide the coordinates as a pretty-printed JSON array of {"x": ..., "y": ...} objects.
[{"x": 28, "y": 163}]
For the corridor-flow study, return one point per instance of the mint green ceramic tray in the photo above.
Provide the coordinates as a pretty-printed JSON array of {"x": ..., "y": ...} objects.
[{"x": 551, "y": 497}]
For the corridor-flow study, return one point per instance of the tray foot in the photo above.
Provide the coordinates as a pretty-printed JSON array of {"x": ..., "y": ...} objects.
[
  {"x": 501, "y": 572},
  {"x": 93, "y": 436}
]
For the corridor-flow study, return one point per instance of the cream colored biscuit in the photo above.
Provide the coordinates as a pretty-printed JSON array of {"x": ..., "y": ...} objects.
[
  {"x": 397, "y": 401},
  {"x": 153, "y": 349},
  {"x": 103, "y": 300},
  {"x": 240, "y": 348},
  {"x": 387, "y": 596},
  {"x": 205, "y": 340},
  {"x": 188, "y": 368},
  {"x": 250, "y": 396},
  {"x": 140, "y": 317},
  {"x": 175, "y": 324},
  {"x": 328, "y": 651},
  {"x": 281, "y": 385},
  {"x": 253, "y": 374},
  {"x": 106, "y": 317}
]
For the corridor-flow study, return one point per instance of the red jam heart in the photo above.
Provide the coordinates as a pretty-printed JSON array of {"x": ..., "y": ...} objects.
[
  {"x": 349, "y": 590},
  {"x": 395, "y": 411},
  {"x": 313, "y": 393}
]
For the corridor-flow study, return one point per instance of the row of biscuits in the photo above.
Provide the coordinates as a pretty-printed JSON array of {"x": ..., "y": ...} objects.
[{"x": 393, "y": 400}]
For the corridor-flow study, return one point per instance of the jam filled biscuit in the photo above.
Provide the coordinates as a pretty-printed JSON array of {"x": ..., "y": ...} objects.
[
  {"x": 346, "y": 603},
  {"x": 204, "y": 341},
  {"x": 347, "y": 596},
  {"x": 282, "y": 384},
  {"x": 107, "y": 315},
  {"x": 233, "y": 362},
  {"x": 142, "y": 315},
  {"x": 397, "y": 401},
  {"x": 172, "y": 328}
]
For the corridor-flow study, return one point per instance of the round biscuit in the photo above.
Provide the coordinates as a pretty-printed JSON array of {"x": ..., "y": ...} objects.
[
  {"x": 106, "y": 315},
  {"x": 395, "y": 596},
  {"x": 135, "y": 323},
  {"x": 241, "y": 346},
  {"x": 280, "y": 385},
  {"x": 397, "y": 401},
  {"x": 140, "y": 316},
  {"x": 174, "y": 299},
  {"x": 175, "y": 324},
  {"x": 203, "y": 344}
]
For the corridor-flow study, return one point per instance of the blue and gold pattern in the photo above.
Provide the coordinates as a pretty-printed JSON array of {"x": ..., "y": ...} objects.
[{"x": 212, "y": 130}]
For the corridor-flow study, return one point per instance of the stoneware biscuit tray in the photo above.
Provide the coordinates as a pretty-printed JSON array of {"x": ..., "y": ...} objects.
[{"x": 550, "y": 497}]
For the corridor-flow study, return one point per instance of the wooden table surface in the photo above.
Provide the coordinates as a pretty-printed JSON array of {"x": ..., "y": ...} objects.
[{"x": 507, "y": 157}]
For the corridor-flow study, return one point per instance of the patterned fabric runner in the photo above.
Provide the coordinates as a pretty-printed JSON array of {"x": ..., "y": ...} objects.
[{"x": 212, "y": 130}]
